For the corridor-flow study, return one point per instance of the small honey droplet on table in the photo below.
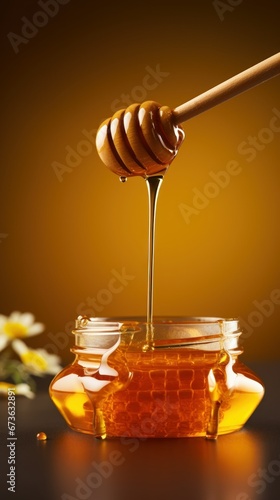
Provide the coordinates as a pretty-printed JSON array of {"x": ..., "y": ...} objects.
[{"x": 42, "y": 436}]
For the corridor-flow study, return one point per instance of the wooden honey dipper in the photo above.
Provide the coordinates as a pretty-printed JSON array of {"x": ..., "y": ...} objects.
[{"x": 143, "y": 139}]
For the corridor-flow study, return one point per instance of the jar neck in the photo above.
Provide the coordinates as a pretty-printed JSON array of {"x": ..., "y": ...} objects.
[{"x": 104, "y": 335}]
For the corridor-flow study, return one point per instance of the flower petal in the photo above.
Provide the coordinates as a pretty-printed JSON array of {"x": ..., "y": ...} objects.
[
  {"x": 35, "y": 329},
  {"x": 27, "y": 319},
  {"x": 3, "y": 319},
  {"x": 3, "y": 342},
  {"x": 15, "y": 316},
  {"x": 20, "y": 389},
  {"x": 51, "y": 358},
  {"x": 19, "y": 347},
  {"x": 4, "y": 386},
  {"x": 24, "y": 390}
]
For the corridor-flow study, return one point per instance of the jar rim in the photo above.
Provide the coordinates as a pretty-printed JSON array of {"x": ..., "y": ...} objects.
[
  {"x": 156, "y": 319},
  {"x": 116, "y": 322},
  {"x": 166, "y": 332}
]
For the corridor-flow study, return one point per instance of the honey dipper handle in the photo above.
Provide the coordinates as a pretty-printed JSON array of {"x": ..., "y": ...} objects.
[{"x": 239, "y": 83}]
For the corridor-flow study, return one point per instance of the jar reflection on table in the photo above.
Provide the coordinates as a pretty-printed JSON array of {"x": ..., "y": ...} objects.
[{"x": 158, "y": 468}]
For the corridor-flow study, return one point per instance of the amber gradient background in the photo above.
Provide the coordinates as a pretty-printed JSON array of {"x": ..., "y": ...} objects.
[{"x": 64, "y": 238}]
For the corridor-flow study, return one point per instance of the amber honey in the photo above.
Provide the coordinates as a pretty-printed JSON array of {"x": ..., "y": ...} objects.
[
  {"x": 162, "y": 392},
  {"x": 175, "y": 401}
]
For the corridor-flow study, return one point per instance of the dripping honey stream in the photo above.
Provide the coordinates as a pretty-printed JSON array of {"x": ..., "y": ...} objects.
[{"x": 153, "y": 185}]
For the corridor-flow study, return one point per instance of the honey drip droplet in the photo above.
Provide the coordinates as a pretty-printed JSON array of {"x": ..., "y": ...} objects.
[{"x": 42, "y": 436}]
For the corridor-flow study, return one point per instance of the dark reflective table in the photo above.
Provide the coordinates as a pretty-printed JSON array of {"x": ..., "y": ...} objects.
[{"x": 73, "y": 466}]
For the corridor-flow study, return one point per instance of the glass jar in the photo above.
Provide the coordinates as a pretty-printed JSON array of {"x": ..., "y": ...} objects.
[{"x": 178, "y": 377}]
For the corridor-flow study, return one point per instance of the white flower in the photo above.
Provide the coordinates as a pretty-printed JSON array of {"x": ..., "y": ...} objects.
[
  {"x": 37, "y": 361},
  {"x": 20, "y": 389},
  {"x": 18, "y": 325}
]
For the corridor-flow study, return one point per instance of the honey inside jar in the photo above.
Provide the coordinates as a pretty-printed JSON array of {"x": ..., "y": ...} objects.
[{"x": 189, "y": 383}]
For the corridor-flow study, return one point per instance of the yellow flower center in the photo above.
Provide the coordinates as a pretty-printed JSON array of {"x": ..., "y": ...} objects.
[
  {"x": 15, "y": 330},
  {"x": 4, "y": 386},
  {"x": 34, "y": 360}
]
